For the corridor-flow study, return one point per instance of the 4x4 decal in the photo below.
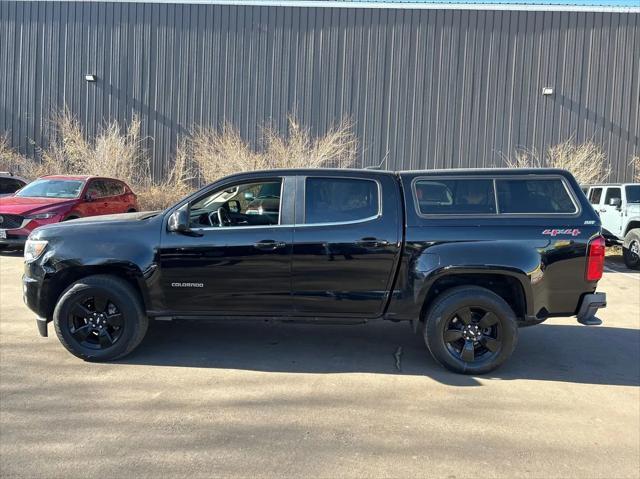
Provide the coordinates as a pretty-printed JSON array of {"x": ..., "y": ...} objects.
[{"x": 567, "y": 231}]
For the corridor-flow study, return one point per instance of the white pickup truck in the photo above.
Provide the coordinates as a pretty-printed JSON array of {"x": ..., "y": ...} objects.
[{"x": 619, "y": 208}]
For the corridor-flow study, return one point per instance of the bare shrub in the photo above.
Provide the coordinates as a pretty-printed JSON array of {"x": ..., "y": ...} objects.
[
  {"x": 586, "y": 161},
  {"x": 177, "y": 184},
  {"x": 219, "y": 153},
  {"x": 14, "y": 162},
  {"x": 635, "y": 163},
  {"x": 202, "y": 157},
  {"x": 115, "y": 152}
]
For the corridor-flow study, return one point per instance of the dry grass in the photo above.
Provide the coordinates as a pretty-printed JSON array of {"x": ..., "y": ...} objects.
[
  {"x": 219, "y": 153},
  {"x": 586, "y": 161},
  {"x": 203, "y": 157},
  {"x": 635, "y": 163},
  {"x": 14, "y": 162},
  {"x": 115, "y": 152}
]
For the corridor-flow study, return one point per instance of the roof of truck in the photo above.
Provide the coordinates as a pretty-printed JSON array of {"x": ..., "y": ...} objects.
[{"x": 451, "y": 171}]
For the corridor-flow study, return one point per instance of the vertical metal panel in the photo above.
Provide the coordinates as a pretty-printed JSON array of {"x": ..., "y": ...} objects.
[{"x": 424, "y": 88}]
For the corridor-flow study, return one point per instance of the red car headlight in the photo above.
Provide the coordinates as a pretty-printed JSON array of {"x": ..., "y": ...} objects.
[{"x": 41, "y": 216}]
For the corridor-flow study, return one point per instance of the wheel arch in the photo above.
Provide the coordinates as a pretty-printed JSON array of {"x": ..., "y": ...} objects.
[
  {"x": 512, "y": 286},
  {"x": 67, "y": 276},
  {"x": 632, "y": 225}
]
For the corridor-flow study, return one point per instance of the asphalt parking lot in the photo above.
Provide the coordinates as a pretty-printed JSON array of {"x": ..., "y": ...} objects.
[{"x": 260, "y": 400}]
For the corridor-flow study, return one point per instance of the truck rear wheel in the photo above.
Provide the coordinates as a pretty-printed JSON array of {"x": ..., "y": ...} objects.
[
  {"x": 631, "y": 249},
  {"x": 470, "y": 330},
  {"x": 100, "y": 318}
]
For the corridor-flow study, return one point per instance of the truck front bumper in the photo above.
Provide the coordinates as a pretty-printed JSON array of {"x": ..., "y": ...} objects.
[{"x": 589, "y": 306}]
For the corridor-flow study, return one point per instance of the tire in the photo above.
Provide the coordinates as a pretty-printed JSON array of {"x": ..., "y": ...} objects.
[
  {"x": 631, "y": 249},
  {"x": 68, "y": 218},
  {"x": 113, "y": 335},
  {"x": 461, "y": 313}
]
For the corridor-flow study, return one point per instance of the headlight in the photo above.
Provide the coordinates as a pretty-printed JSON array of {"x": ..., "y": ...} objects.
[
  {"x": 41, "y": 216},
  {"x": 33, "y": 249}
]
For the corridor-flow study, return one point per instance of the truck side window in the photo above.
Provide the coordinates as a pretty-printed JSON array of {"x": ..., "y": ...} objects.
[
  {"x": 247, "y": 204},
  {"x": 339, "y": 200},
  {"x": 543, "y": 195},
  {"x": 457, "y": 197},
  {"x": 595, "y": 195},
  {"x": 612, "y": 194}
]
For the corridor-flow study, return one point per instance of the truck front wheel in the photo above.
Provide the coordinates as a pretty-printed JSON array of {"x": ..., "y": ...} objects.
[
  {"x": 100, "y": 318},
  {"x": 631, "y": 249},
  {"x": 470, "y": 330}
]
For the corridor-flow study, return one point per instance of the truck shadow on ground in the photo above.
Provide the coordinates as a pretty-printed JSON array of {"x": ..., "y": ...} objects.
[
  {"x": 548, "y": 352},
  {"x": 615, "y": 264}
]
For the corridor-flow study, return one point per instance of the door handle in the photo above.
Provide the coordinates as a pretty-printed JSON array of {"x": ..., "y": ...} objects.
[
  {"x": 603, "y": 210},
  {"x": 269, "y": 245},
  {"x": 372, "y": 242}
]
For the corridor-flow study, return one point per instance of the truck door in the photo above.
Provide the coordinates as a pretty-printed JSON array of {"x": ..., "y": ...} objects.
[
  {"x": 346, "y": 243},
  {"x": 237, "y": 259},
  {"x": 611, "y": 211}
]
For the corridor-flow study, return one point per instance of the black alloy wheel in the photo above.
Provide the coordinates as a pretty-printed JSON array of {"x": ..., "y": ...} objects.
[
  {"x": 100, "y": 318},
  {"x": 95, "y": 322},
  {"x": 473, "y": 334},
  {"x": 470, "y": 330}
]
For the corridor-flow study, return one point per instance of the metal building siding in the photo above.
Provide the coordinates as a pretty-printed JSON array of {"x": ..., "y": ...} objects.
[{"x": 425, "y": 88}]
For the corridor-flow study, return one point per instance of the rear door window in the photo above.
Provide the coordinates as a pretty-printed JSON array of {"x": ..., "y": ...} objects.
[
  {"x": 455, "y": 196},
  {"x": 114, "y": 188},
  {"x": 339, "y": 200},
  {"x": 534, "y": 196}
]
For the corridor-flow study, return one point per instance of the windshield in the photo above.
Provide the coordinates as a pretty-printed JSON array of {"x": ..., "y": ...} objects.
[
  {"x": 48, "y": 188},
  {"x": 633, "y": 193}
]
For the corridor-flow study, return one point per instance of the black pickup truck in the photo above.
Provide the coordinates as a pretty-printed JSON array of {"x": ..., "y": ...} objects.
[{"x": 466, "y": 256}]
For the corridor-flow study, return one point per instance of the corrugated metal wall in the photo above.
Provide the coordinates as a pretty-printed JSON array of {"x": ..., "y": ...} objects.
[{"x": 425, "y": 88}]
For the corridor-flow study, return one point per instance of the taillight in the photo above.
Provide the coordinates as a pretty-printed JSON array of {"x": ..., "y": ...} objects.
[{"x": 595, "y": 259}]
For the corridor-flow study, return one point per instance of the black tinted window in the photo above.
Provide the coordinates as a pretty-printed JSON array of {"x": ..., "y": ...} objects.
[
  {"x": 595, "y": 195},
  {"x": 534, "y": 196},
  {"x": 633, "y": 193},
  {"x": 9, "y": 185},
  {"x": 612, "y": 194},
  {"x": 436, "y": 196},
  {"x": 330, "y": 200}
]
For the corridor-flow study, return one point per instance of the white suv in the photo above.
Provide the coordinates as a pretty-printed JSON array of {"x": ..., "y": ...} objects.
[{"x": 619, "y": 208}]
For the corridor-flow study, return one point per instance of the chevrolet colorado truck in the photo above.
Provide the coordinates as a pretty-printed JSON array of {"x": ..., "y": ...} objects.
[{"x": 465, "y": 256}]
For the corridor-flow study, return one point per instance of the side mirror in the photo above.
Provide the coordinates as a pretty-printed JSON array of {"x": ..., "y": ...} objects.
[
  {"x": 89, "y": 197},
  {"x": 248, "y": 196},
  {"x": 179, "y": 223},
  {"x": 234, "y": 206},
  {"x": 617, "y": 202}
]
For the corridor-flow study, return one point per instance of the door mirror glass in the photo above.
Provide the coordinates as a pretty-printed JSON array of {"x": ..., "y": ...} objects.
[
  {"x": 248, "y": 195},
  {"x": 179, "y": 221},
  {"x": 234, "y": 206},
  {"x": 615, "y": 202},
  {"x": 89, "y": 197}
]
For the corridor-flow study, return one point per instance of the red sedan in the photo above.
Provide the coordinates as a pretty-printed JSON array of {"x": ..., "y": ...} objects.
[{"x": 52, "y": 199}]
